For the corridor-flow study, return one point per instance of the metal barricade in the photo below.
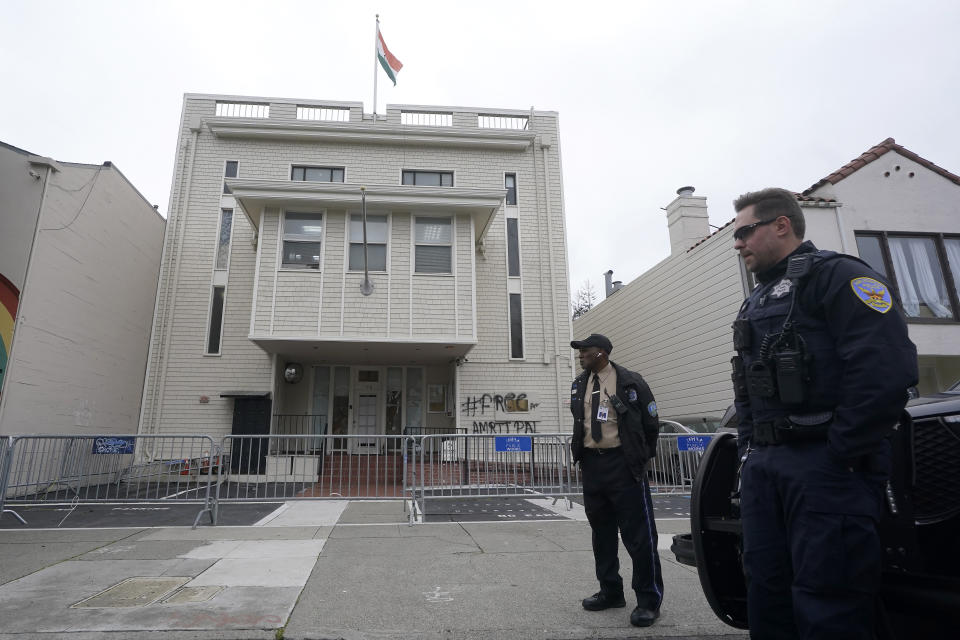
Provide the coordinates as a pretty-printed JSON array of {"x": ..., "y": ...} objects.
[
  {"x": 670, "y": 471},
  {"x": 285, "y": 467},
  {"x": 461, "y": 466},
  {"x": 70, "y": 470},
  {"x": 6, "y": 444},
  {"x": 674, "y": 467}
]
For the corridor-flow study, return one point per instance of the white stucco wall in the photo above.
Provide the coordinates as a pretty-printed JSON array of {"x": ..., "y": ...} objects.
[{"x": 80, "y": 347}]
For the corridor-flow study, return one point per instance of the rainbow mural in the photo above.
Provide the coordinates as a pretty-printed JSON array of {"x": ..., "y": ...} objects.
[{"x": 9, "y": 296}]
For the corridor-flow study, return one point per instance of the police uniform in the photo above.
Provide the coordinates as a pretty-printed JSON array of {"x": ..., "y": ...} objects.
[
  {"x": 821, "y": 376},
  {"x": 615, "y": 490}
]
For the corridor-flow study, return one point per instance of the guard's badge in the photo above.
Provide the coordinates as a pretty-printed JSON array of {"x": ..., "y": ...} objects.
[
  {"x": 652, "y": 409},
  {"x": 632, "y": 395},
  {"x": 781, "y": 289},
  {"x": 872, "y": 293}
]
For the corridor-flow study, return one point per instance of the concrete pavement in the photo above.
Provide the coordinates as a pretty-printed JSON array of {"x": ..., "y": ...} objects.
[{"x": 339, "y": 569}]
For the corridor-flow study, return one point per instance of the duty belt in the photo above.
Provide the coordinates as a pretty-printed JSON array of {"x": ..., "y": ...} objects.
[{"x": 786, "y": 432}]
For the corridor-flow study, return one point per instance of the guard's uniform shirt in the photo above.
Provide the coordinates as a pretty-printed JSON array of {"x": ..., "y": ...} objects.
[
  {"x": 810, "y": 508},
  {"x": 608, "y": 426}
]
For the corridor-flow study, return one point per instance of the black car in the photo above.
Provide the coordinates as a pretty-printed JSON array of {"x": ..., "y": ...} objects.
[{"x": 920, "y": 531}]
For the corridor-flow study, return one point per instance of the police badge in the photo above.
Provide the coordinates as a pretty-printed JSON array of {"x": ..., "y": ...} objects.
[{"x": 781, "y": 289}]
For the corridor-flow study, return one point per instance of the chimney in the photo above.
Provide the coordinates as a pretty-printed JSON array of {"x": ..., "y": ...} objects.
[
  {"x": 608, "y": 284},
  {"x": 687, "y": 220},
  {"x": 617, "y": 285}
]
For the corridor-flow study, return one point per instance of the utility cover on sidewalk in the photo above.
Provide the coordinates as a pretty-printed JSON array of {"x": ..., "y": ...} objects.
[{"x": 133, "y": 592}]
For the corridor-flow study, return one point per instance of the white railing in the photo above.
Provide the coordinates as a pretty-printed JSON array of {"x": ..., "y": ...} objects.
[
  {"x": 502, "y": 122},
  {"x": 242, "y": 110},
  {"x": 327, "y": 114},
  {"x": 426, "y": 118}
]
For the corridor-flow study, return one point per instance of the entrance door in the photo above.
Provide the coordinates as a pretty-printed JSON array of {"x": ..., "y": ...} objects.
[
  {"x": 251, "y": 417},
  {"x": 366, "y": 411}
]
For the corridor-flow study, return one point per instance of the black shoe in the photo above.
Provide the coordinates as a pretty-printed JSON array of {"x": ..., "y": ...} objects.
[
  {"x": 644, "y": 617},
  {"x": 600, "y": 601}
]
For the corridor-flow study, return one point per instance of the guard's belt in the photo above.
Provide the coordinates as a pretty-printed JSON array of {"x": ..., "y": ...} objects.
[{"x": 809, "y": 428}]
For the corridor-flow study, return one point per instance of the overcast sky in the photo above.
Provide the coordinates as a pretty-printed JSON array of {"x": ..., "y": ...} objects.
[{"x": 725, "y": 96}]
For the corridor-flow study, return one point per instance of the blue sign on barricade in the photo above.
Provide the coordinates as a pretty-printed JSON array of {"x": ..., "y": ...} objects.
[
  {"x": 113, "y": 445},
  {"x": 693, "y": 443},
  {"x": 514, "y": 443}
]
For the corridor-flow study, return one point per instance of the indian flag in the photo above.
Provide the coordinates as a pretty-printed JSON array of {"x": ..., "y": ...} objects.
[{"x": 387, "y": 60}]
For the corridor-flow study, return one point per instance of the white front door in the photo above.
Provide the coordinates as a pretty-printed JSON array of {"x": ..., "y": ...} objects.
[{"x": 367, "y": 413}]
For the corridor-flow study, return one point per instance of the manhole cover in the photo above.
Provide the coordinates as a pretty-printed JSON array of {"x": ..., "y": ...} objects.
[
  {"x": 193, "y": 594},
  {"x": 132, "y": 592}
]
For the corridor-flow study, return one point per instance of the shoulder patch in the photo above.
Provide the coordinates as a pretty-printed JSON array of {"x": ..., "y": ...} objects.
[
  {"x": 652, "y": 409},
  {"x": 872, "y": 293}
]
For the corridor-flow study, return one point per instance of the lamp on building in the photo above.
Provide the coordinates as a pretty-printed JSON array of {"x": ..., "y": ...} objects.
[{"x": 293, "y": 372}]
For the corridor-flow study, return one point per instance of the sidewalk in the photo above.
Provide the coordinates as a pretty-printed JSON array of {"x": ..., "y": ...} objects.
[{"x": 317, "y": 570}]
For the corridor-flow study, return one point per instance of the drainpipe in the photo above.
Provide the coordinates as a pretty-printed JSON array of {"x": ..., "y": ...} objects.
[
  {"x": 553, "y": 299},
  {"x": 172, "y": 285}
]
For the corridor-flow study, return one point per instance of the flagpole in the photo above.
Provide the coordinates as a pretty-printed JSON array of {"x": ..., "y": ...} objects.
[{"x": 376, "y": 37}]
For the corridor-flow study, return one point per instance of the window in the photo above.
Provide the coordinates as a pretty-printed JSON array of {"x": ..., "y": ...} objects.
[
  {"x": 516, "y": 326},
  {"x": 434, "y": 247},
  {"x": 317, "y": 174},
  {"x": 230, "y": 171},
  {"x": 923, "y": 268},
  {"x": 302, "y": 235},
  {"x": 513, "y": 247},
  {"x": 216, "y": 321},
  {"x": 223, "y": 243},
  {"x": 428, "y": 178},
  {"x": 376, "y": 243},
  {"x": 510, "y": 182}
]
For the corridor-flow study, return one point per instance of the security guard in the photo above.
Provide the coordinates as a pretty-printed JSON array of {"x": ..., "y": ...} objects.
[
  {"x": 821, "y": 375},
  {"x": 613, "y": 454}
]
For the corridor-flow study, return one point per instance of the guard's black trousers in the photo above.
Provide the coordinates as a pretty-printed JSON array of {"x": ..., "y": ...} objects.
[
  {"x": 811, "y": 547},
  {"x": 614, "y": 500}
]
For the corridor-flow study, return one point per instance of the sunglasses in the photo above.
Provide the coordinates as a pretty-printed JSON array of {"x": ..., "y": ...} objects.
[{"x": 747, "y": 230}]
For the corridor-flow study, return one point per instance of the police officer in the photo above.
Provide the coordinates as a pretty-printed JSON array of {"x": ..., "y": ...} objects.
[
  {"x": 821, "y": 378},
  {"x": 613, "y": 453}
]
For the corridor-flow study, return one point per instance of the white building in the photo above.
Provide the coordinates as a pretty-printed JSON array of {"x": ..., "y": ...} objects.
[
  {"x": 79, "y": 258},
  {"x": 261, "y": 323},
  {"x": 896, "y": 210}
]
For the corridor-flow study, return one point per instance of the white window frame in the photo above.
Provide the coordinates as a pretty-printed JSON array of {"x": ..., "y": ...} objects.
[
  {"x": 223, "y": 317},
  {"x": 229, "y": 247},
  {"x": 347, "y": 243},
  {"x": 308, "y": 165},
  {"x": 283, "y": 237},
  {"x": 453, "y": 177},
  {"x": 223, "y": 180},
  {"x": 434, "y": 244},
  {"x": 516, "y": 188}
]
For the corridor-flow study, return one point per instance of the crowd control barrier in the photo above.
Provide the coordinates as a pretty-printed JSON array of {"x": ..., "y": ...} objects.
[{"x": 70, "y": 470}]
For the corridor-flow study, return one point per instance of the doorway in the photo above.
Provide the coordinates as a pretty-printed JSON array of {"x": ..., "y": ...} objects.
[
  {"x": 367, "y": 412},
  {"x": 251, "y": 417}
]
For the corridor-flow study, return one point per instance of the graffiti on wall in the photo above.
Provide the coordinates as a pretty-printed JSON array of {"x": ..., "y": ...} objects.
[
  {"x": 507, "y": 403},
  {"x": 505, "y": 426},
  {"x": 9, "y": 298}
]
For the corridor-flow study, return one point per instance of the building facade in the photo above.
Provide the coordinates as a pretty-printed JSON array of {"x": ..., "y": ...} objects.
[
  {"x": 275, "y": 316},
  {"x": 79, "y": 260},
  {"x": 896, "y": 210}
]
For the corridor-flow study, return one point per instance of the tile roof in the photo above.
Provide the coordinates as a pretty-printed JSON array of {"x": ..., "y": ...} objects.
[{"x": 872, "y": 154}]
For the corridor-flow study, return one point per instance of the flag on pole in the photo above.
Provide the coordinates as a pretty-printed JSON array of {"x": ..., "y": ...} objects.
[{"x": 387, "y": 60}]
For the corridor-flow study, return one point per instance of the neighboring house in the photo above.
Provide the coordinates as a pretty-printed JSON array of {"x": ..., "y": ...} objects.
[
  {"x": 896, "y": 210},
  {"x": 262, "y": 325},
  {"x": 79, "y": 258}
]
